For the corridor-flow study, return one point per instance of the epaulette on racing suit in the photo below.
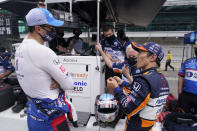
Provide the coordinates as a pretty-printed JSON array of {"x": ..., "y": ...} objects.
[{"x": 145, "y": 100}]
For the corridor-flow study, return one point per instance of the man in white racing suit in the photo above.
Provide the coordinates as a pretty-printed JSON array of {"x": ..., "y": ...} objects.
[{"x": 39, "y": 72}]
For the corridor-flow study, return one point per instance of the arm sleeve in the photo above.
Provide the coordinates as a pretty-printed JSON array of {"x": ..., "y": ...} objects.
[
  {"x": 125, "y": 84},
  {"x": 136, "y": 99},
  {"x": 117, "y": 67},
  {"x": 49, "y": 62},
  {"x": 182, "y": 70}
]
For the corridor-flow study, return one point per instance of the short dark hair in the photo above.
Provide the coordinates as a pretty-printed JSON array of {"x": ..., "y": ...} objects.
[
  {"x": 158, "y": 62},
  {"x": 31, "y": 29},
  {"x": 121, "y": 34},
  {"x": 77, "y": 30},
  {"x": 107, "y": 28},
  {"x": 157, "y": 59}
]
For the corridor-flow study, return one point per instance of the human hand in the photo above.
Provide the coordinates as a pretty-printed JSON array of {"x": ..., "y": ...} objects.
[
  {"x": 99, "y": 48},
  {"x": 60, "y": 48},
  {"x": 119, "y": 81},
  {"x": 54, "y": 85},
  {"x": 125, "y": 70},
  {"x": 111, "y": 85}
]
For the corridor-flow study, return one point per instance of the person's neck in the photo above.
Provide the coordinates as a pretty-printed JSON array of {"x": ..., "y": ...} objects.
[
  {"x": 36, "y": 37},
  {"x": 151, "y": 65}
]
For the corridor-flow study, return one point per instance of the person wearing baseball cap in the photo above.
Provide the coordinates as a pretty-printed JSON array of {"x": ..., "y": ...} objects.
[
  {"x": 41, "y": 75},
  {"x": 152, "y": 48},
  {"x": 148, "y": 92}
]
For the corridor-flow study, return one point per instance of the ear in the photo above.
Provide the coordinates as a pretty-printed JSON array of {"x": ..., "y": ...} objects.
[
  {"x": 37, "y": 28},
  {"x": 153, "y": 58}
]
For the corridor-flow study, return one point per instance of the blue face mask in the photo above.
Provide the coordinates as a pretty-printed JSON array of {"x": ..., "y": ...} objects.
[{"x": 48, "y": 36}]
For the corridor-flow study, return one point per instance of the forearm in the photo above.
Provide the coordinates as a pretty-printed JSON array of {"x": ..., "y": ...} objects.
[
  {"x": 106, "y": 59},
  {"x": 180, "y": 84},
  {"x": 129, "y": 78},
  {"x": 7, "y": 73}
]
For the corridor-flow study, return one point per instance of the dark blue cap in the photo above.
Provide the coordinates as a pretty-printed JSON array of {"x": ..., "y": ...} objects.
[{"x": 151, "y": 47}]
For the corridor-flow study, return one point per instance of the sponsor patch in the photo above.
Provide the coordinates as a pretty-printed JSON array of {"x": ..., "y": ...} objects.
[
  {"x": 62, "y": 69},
  {"x": 191, "y": 75},
  {"x": 56, "y": 61},
  {"x": 136, "y": 86}
]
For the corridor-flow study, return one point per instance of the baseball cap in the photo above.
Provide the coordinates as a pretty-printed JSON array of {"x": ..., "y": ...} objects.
[
  {"x": 41, "y": 16},
  {"x": 151, "y": 47}
]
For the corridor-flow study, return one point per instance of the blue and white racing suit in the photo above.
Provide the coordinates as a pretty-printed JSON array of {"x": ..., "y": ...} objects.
[
  {"x": 36, "y": 68},
  {"x": 114, "y": 49},
  {"x": 188, "y": 72},
  {"x": 144, "y": 101}
]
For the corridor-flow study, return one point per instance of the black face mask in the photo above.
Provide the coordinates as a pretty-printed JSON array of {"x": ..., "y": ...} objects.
[
  {"x": 195, "y": 51},
  {"x": 77, "y": 34},
  {"x": 111, "y": 38},
  {"x": 61, "y": 34},
  {"x": 48, "y": 36},
  {"x": 131, "y": 61}
]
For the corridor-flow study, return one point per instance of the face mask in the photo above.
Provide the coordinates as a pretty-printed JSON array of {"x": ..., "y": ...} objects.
[
  {"x": 61, "y": 34},
  {"x": 111, "y": 38},
  {"x": 195, "y": 50},
  {"x": 48, "y": 36},
  {"x": 131, "y": 61}
]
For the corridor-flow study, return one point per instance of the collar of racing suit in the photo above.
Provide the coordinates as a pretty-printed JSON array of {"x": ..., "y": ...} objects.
[{"x": 150, "y": 69}]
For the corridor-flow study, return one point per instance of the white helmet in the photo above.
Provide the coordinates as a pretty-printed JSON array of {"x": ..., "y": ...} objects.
[{"x": 106, "y": 108}]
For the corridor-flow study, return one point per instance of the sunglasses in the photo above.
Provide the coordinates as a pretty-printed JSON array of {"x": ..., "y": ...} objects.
[{"x": 49, "y": 27}]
